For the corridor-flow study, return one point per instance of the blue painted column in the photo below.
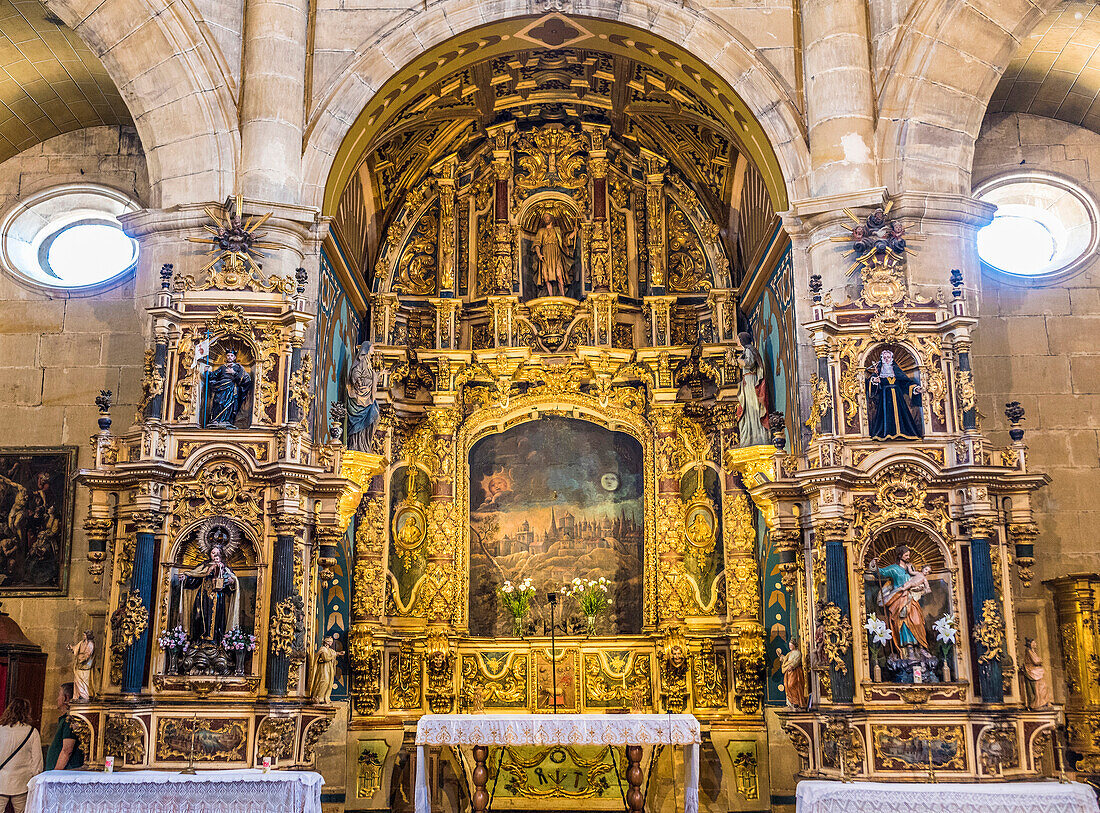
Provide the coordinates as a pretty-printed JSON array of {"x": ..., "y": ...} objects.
[
  {"x": 836, "y": 592},
  {"x": 147, "y": 524},
  {"x": 282, "y": 587},
  {"x": 982, "y": 590}
]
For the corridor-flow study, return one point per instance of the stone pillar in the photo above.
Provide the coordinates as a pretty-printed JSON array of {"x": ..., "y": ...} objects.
[
  {"x": 146, "y": 523},
  {"x": 985, "y": 611},
  {"x": 273, "y": 100},
  {"x": 839, "y": 95}
]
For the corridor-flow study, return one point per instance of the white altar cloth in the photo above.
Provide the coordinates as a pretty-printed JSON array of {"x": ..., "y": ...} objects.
[
  {"x": 244, "y": 791},
  {"x": 559, "y": 729},
  {"x": 946, "y": 797}
]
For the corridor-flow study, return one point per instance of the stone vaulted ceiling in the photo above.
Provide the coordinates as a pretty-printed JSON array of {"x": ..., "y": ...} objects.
[
  {"x": 1056, "y": 70},
  {"x": 50, "y": 81}
]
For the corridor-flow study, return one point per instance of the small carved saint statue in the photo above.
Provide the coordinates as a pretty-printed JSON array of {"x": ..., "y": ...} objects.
[
  {"x": 794, "y": 676},
  {"x": 227, "y": 387},
  {"x": 1035, "y": 677},
  {"x": 362, "y": 401},
  {"x": 890, "y": 394},
  {"x": 210, "y": 592},
  {"x": 324, "y": 673},
  {"x": 752, "y": 398},
  {"x": 83, "y": 658},
  {"x": 555, "y": 255}
]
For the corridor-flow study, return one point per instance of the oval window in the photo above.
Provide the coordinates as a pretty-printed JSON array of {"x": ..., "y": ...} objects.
[
  {"x": 1044, "y": 225},
  {"x": 69, "y": 238}
]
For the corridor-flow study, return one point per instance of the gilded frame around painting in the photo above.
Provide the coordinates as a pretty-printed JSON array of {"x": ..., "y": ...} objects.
[
  {"x": 41, "y": 479},
  {"x": 578, "y": 406}
]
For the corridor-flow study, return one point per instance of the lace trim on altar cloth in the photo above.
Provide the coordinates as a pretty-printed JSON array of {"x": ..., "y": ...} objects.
[
  {"x": 1009, "y": 797},
  {"x": 557, "y": 729},
  {"x": 164, "y": 792}
]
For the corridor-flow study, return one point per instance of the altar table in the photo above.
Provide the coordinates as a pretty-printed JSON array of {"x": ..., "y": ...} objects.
[
  {"x": 244, "y": 791},
  {"x": 631, "y": 730},
  {"x": 945, "y": 797}
]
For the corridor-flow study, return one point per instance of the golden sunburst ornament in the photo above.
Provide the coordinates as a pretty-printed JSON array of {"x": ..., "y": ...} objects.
[
  {"x": 235, "y": 241},
  {"x": 876, "y": 237}
]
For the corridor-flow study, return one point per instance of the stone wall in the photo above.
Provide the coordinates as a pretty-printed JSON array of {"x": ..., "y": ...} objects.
[
  {"x": 57, "y": 352},
  {"x": 1039, "y": 344}
]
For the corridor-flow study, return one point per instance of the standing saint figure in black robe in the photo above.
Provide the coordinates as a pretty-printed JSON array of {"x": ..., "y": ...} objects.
[
  {"x": 890, "y": 394},
  {"x": 226, "y": 389},
  {"x": 211, "y": 600}
]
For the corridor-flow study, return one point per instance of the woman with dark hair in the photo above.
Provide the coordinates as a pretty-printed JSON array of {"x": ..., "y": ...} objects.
[
  {"x": 20, "y": 754},
  {"x": 64, "y": 752}
]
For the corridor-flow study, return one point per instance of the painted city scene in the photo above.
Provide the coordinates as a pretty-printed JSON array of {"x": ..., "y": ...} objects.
[{"x": 552, "y": 500}]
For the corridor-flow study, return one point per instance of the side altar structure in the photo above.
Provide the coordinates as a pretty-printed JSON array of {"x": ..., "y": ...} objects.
[{"x": 555, "y": 393}]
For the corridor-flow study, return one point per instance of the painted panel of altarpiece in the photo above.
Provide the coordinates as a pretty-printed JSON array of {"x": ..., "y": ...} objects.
[{"x": 552, "y": 500}]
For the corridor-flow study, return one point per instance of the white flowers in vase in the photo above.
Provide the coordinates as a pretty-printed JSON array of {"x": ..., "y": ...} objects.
[
  {"x": 592, "y": 595},
  {"x": 516, "y": 599},
  {"x": 880, "y": 636},
  {"x": 946, "y": 628}
]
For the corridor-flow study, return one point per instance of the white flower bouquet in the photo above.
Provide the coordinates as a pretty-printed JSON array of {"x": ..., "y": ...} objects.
[{"x": 516, "y": 599}]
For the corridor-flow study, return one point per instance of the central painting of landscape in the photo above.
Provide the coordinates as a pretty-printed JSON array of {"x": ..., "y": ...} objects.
[{"x": 552, "y": 500}]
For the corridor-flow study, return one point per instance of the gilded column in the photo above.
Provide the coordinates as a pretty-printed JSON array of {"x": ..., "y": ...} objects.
[
  {"x": 138, "y": 604},
  {"x": 273, "y": 99},
  {"x": 964, "y": 387},
  {"x": 655, "y": 221},
  {"x": 444, "y": 172},
  {"x": 599, "y": 258},
  {"x": 502, "y": 230},
  {"x": 988, "y": 632},
  {"x": 1075, "y": 603}
]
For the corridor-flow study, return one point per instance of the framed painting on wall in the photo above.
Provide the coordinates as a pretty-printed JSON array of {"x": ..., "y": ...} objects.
[{"x": 36, "y": 519}]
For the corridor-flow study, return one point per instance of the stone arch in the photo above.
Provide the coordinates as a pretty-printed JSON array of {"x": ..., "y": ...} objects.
[
  {"x": 939, "y": 81},
  {"x": 694, "y": 29},
  {"x": 174, "y": 82}
]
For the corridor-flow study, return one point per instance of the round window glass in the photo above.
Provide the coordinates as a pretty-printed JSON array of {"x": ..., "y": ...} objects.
[
  {"x": 69, "y": 238},
  {"x": 1017, "y": 243},
  {"x": 87, "y": 253},
  {"x": 1044, "y": 225}
]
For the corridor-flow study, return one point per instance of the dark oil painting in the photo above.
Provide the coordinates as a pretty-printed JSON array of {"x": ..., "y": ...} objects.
[
  {"x": 552, "y": 500},
  {"x": 36, "y": 511}
]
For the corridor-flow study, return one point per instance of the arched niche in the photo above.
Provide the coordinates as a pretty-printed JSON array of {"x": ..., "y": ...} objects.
[
  {"x": 565, "y": 218},
  {"x": 220, "y": 380},
  {"x": 881, "y": 424},
  {"x": 213, "y": 586},
  {"x": 909, "y": 585},
  {"x": 701, "y": 494},
  {"x": 410, "y": 492}
]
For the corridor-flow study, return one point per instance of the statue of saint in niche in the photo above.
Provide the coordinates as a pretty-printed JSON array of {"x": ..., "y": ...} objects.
[
  {"x": 362, "y": 401},
  {"x": 753, "y": 397},
  {"x": 211, "y": 600},
  {"x": 227, "y": 388},
  {"x": 890, "y": 394},
  {"x": 902, "y": 587},
  {"x": 554, "y": 253}
]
